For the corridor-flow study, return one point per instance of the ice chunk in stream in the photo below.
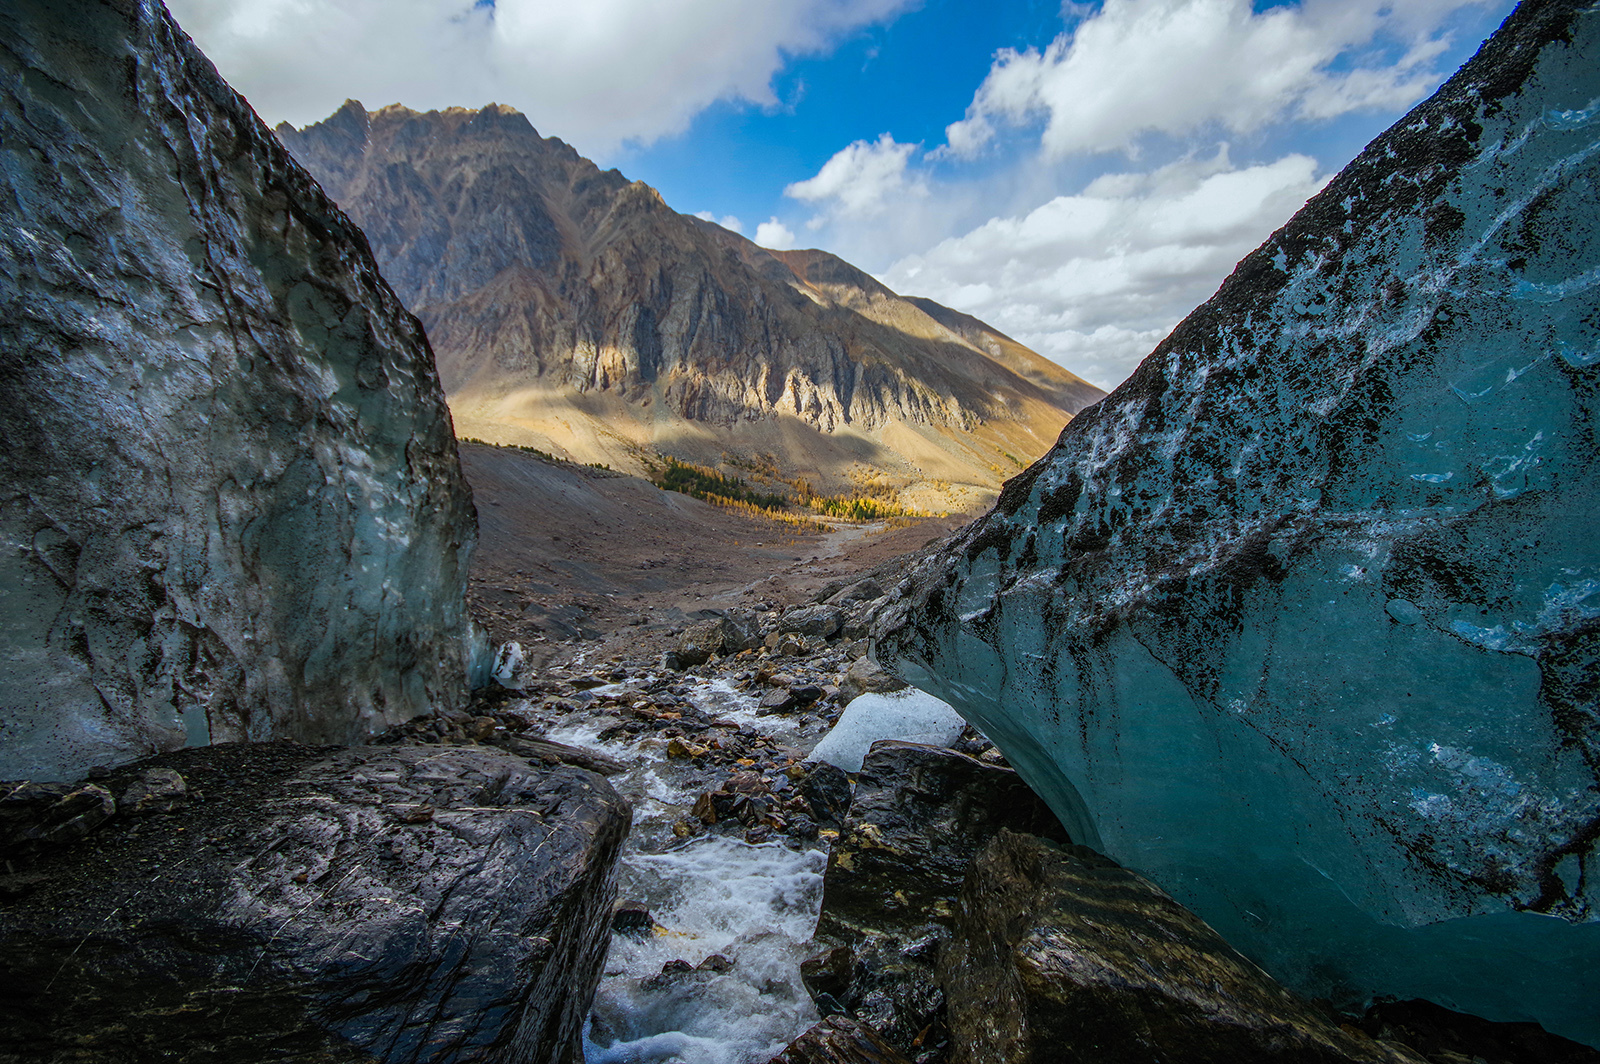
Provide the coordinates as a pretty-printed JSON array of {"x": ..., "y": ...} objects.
[{"x": 910, "y": 715}]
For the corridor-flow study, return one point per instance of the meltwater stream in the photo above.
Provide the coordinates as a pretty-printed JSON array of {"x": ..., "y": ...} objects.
[{"x": 718, "y": 982}]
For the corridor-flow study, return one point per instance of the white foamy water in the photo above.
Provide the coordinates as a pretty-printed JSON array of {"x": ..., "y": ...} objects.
[{"x": 754, "y": 905}]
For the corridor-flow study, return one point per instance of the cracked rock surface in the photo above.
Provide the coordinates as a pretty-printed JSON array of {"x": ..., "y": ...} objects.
[{"x": 398, "y": 903}]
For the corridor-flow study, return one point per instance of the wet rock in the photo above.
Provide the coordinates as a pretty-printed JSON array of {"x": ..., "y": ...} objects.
[
  {"x": 683, "y": 749},
  {"x": 158, "y": 790},
  {"x": 918, "y": 816},
  {"x": 715, "y": 962},
  {"x": 839, "y": 1040},
  {"x": 891, "y": 985},
  {"x": 560, "y": 753},
  {"x": 827, "y": 978},
  {"x": 632, "y": 918},
  {"x": 826, "y": 789},
  {"x": 698, "y": 643},
  {"x": 727, "y": 634},
  {"x": 1061, "y": 955},
  {"x": 780, "y": 700},
  {"x": 866, "y": 676},
  {"x": 228, "y": 469},
  {"x": 802, "y": 827},
  {"x": 806, "y": 693},
  {"x": 311, "y": 910}
]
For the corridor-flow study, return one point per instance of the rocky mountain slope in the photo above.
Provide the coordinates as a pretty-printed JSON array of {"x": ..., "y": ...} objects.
[
  {"x": 230, "y": 501},
  {"x": 572, "y": 310},
  {"x": 1302, "y": 620}
]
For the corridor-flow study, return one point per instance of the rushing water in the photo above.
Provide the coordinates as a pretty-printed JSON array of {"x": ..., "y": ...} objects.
[{"x": 712, "y": 896}]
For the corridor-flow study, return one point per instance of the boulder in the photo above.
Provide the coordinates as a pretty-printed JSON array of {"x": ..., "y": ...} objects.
[
  {"x": 35, "y": 815},
  {"x": 1303, "y": 620},
  {"x": 866, "y": 590},
  {"x": 918, "y": 816},
  {"x": 839, "y": 1040},
  {"x": 728, "y": 634},
  {"x": 159, "y": 790},
  {"x": 826, "y": 789},
  {"x": 1059, "y": 955},
  {"x": 232, "y": 503},
  {"x": 812, "y": 622},
  {"x": 397, "y": 903},
  {"x": 866, "y": 676},
  {"x": 889, "y": 893}
]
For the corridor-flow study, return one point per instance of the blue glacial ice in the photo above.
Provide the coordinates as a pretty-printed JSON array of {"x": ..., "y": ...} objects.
[{"x": 1303, "y": 620}]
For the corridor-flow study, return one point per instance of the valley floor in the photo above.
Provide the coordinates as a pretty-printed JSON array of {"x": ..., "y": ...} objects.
[{"x": 572, "y": 559}]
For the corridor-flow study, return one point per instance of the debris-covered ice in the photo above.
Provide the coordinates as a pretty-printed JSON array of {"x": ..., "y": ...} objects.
[{"x": 1300, "y": 620}]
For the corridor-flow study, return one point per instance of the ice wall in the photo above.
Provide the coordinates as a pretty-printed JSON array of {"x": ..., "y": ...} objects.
[
  {"x": 230, "y": 503},
  {"x": 1304, "y": 620}
]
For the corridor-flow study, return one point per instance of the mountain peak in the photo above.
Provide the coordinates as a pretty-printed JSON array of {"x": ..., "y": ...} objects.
[{"x": 572, "y": 310}]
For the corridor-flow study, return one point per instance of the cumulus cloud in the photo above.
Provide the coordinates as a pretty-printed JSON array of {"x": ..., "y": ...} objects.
[
  {"x": 1094, "y": 280},
  {"x": 1180, "y": 66},
  {"x": 595, "y": 73},
  {"x": 861, "y": 180},
  {"x": 775, "y": 235},
  {"x": 727, "y": 221}
]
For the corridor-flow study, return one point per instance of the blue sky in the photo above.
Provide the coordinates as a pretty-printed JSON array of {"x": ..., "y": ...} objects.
[{"x": 1080, "y": 175}]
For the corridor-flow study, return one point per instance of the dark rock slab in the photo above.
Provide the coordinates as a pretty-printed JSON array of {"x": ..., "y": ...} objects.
[
  {"x": 918, "y": 816},
  {"x": 827, "y": 790},
  {"x": 1444, "y": 1036},
  {"x": 839, "y": 1040},
  {"x": 231, "y": 493},
  {"x": 398, "y": 903},
  {"x": 1060, "y": 955}
]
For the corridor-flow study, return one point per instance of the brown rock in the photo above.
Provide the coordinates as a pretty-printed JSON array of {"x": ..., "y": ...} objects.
[
  {"x": 159, "y": 790},
  {"x": 1061, "y": 956}
]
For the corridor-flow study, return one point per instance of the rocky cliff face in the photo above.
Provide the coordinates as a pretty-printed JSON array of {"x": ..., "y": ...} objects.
[
  {"x": 1303, "y": 619},
  {"x": 231, "y": 504},
  {"x": 554, "y": 291}
]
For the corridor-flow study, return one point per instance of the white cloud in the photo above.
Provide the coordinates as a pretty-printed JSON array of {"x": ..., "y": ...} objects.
[
  {"x": 1095, "y": 280},
  {"x": 1181, "y": 66},
  {"x": 861, "y": 179},
  {"x": 595, "y": 73},
  {"x": 775, "y": 235},
  {"x": 727, "y": 221}
]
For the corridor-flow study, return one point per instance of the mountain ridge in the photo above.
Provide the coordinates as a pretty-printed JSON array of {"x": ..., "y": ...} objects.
[{"x": 572, "y": 309}]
